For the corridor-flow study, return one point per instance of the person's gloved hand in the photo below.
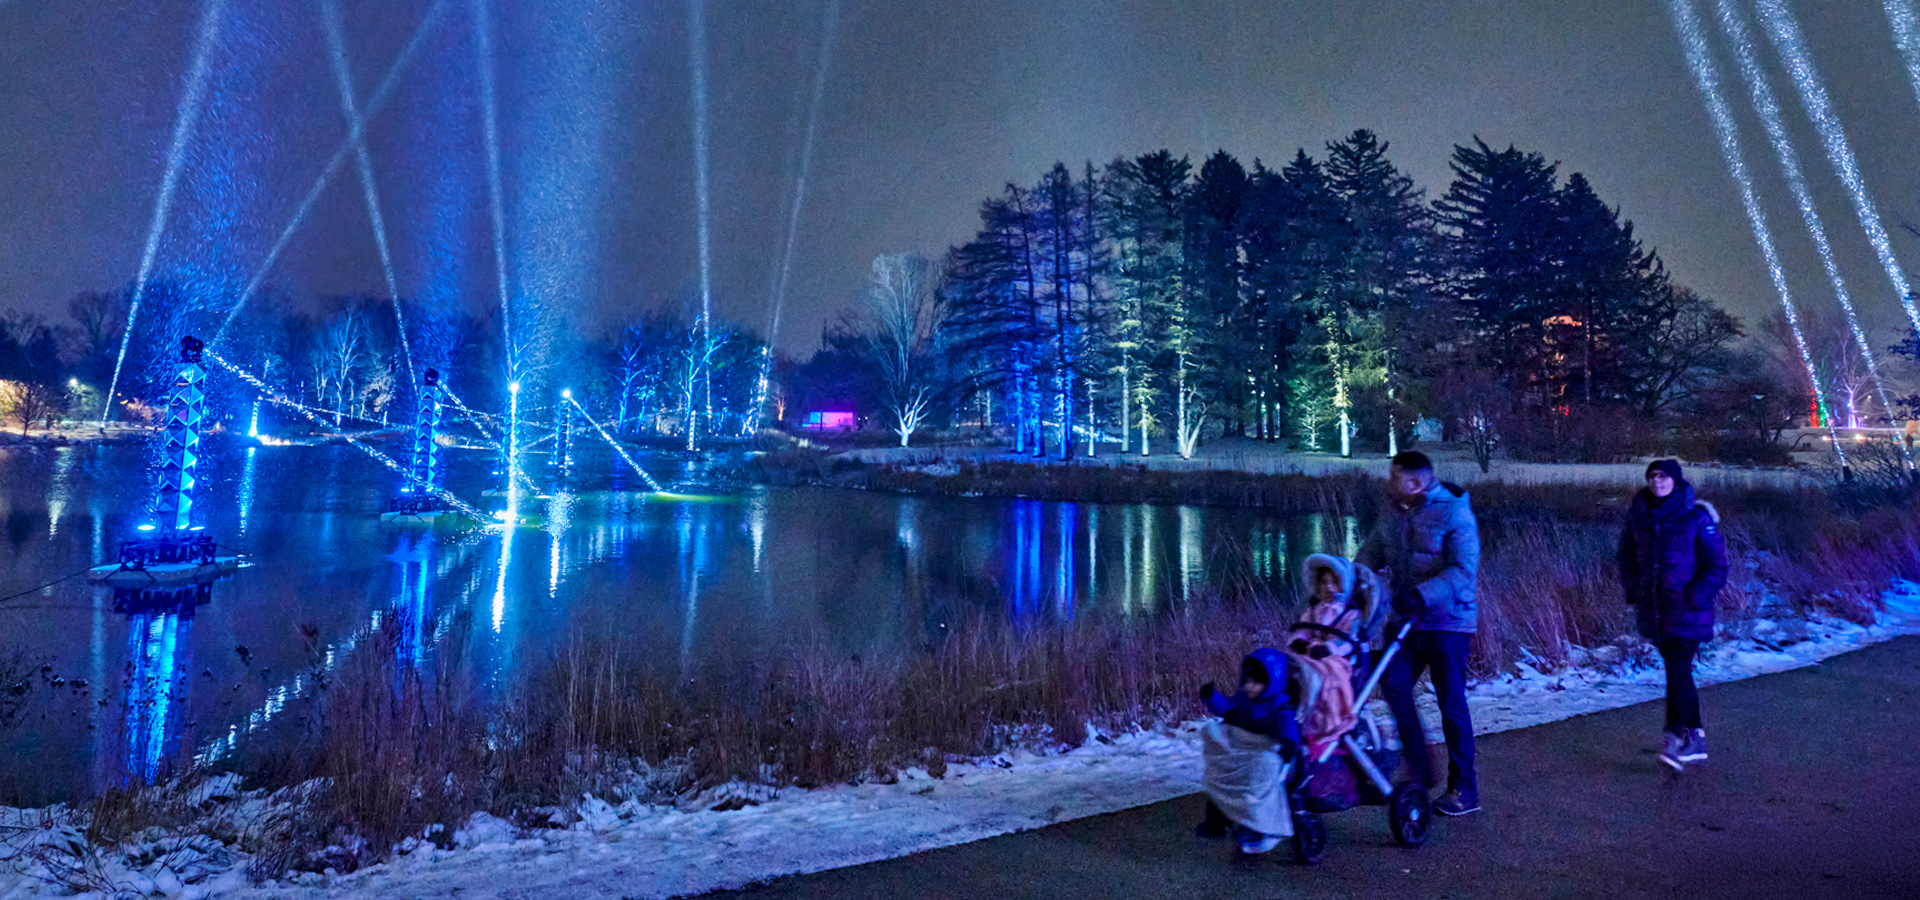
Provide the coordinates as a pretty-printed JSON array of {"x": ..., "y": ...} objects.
[
  {"x": 1206, "y": 692},
  {"x": 1407, "y": 602}
]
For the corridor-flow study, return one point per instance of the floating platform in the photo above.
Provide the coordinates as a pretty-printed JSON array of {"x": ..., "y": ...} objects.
[
  {"x": 496, "y": 494},
  {"x": 123, "y": 576},
  {"x": 428, "y": 517}
]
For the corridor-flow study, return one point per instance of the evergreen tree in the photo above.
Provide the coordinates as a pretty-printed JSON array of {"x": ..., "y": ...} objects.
[
  {"x": 1153, "y": 334},
  {"x": 1501, "y": 221},
  {"x": 1214, "y": 230},
  {"x": 1606, "y": 273},
  {"x": 1387, "y": 270}
]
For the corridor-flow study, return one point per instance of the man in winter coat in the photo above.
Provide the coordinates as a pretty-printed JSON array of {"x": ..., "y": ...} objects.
[
  {"x": 1426, "y": 546},
  {"x": 1673, "y": 562}
]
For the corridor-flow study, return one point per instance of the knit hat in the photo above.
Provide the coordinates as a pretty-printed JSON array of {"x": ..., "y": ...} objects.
[{"x": 1671, "y": 467}]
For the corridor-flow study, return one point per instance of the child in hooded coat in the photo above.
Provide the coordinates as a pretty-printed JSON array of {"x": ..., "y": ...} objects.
[
  {"x": 1339, "y": 591},
  {"x": 1247, "y": 753}
]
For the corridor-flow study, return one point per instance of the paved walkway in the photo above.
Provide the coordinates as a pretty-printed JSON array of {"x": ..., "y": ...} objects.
[{"x": 1813, "y": 791}]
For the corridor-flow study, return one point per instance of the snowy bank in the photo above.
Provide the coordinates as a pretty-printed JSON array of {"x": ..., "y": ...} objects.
[{"x": 739, "y": 834}]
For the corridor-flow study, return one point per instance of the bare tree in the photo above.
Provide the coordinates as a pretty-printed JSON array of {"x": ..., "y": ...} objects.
[
  {"x": 28, "y": 403},
  {"x": 904, "y": 309},
  {"x": 337, "y": 357},
  {"x": 99, "y": 317},
  {"x": 631, "y": 364},
  {"x": 1677, "y": 339}
]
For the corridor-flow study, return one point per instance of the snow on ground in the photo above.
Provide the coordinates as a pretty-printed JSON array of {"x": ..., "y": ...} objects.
[
  {"x": 1259, "y": 457},
  {"x": 636, "y": 850}
]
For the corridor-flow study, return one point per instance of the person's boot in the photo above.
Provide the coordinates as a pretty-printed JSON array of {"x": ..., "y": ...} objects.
[
  {"x": 1673, "y": 746},
  {"x": 1457, "y": 802},
  {"x": 1253, "y": 843},
  {"x": 1214, "y": 825},
  {"x": 1694, "y": 748}
]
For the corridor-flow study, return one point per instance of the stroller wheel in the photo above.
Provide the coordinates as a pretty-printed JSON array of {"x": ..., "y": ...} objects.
[
  {"x": 1408, "y": 814},
  {"x": 1309, "y": 839}
]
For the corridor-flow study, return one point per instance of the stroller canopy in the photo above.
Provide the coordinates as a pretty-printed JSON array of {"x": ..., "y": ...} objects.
[{"x": 1357, "y": 584}]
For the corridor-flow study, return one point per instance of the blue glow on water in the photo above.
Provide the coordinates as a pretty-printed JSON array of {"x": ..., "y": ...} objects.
[
  {"x": 207, "y": 37},
  {"x": 1066, "y": 567},
  {"x": 1693, "y": 42},
  {"x": 247, "y": 487},
  {"x": 1785, "y": 33},
  {"x": 157, "y": 646},
  {"x": 1735, "y": 28}
]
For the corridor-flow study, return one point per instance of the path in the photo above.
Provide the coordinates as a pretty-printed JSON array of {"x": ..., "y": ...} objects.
[{"x": 1810, "y": 793}]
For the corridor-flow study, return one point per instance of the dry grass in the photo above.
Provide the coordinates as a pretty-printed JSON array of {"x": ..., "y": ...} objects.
[{"x": 405, "y": 749}]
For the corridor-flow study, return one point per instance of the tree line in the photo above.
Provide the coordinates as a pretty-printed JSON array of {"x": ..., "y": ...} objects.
[{"x": 1326, "y": 303}]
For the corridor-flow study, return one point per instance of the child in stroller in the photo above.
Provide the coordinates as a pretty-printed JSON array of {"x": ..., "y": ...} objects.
[
  {"x": 1345, "y": 758},
  {"x": 1322, "y": 646}
]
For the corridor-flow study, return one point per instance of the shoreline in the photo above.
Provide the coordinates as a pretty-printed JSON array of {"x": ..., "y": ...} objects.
[{"x": 737, "y": 835}]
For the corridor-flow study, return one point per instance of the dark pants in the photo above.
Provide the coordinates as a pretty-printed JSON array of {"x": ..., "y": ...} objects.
[
  {"x": 1683, "y": 699},
  {"x": 1445, "y": 654}
]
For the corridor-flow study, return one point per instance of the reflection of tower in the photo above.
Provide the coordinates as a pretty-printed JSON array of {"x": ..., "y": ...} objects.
[
  {"x": 159, "y": 668},
  {"x": 1066, "y": 567},
  {"x": 248, "y": 468},
  {"x": 413, "y": 561},
  {"x": 1023, "y": 576},
  {"x": 693, "y": 566},
  {"x": 559, "y": 521},
  {"x": 1193, "y": 559}
]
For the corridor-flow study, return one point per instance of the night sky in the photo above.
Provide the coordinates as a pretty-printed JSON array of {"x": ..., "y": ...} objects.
[{"x": 928, "y": 108}]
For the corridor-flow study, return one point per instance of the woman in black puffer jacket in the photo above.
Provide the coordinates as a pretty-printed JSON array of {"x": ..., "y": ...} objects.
[{"x": 1673, "y": 562}]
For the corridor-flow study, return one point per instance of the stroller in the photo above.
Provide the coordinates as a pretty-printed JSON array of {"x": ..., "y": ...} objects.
[{"x": 1354, "y": 769}]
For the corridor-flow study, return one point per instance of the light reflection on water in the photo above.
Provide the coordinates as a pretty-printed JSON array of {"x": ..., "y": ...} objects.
[{"x": 702, "y": 583}]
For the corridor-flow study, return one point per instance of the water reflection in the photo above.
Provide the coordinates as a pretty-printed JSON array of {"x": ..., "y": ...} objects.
[
  {"x": 244, "y": 500},
  {"x": 159, "y": 671},
  {"x": 697, "y": 583},
  {"x": 59, "y": 489},
  {"x": 413, "y": 563}
]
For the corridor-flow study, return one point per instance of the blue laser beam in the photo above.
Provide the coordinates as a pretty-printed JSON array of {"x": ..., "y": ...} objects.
[
  {"x": 343, "y": 79},
  {"x": 1693, "y": 42},
  {"x": 1784, "y": 32},
  {"x": 207, "y": 37}
]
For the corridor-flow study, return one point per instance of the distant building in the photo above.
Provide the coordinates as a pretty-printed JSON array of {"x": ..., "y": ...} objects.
[{"x": 828, "y": 420}]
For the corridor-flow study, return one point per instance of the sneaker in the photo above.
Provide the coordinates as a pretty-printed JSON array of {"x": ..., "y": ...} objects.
[
  {"x": 1455, "y": 803},
  {"x": 1672, "y": 750},
  {"x": 1694, "y": 748},
  {"x": 1263, "y": 844}
]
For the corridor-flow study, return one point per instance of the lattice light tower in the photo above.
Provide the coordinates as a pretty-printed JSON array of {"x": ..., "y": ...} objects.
[
  {"x": 561, "y": 461},
  {"x": 181, "y": 464},
  {"x": 172, "y": 537},
  {"x": 418, "y": 495}
]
